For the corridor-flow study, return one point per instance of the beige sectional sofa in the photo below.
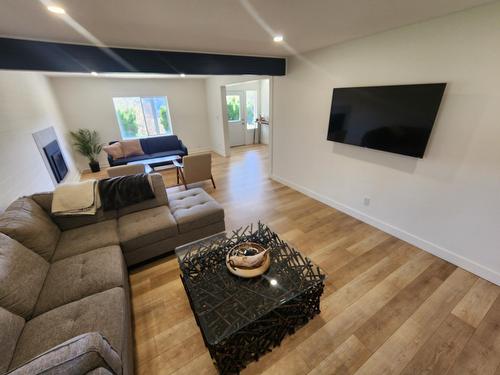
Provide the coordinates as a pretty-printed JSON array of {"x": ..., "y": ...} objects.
[{"x": 64, "y": 290}]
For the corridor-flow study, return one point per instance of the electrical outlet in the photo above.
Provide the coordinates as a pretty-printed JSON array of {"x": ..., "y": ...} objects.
[{"x": 366, "y": 201}]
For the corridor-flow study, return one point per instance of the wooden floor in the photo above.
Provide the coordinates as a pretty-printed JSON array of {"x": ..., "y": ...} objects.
[{"x": 388, "y": 307}]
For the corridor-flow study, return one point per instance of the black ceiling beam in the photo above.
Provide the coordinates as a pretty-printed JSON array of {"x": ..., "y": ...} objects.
[{"x": 19, "y": 54}]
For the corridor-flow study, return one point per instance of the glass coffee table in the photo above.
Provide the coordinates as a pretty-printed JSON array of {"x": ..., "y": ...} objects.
[
  {"x": 242, "y": 319},
  {"x": 151, "y": 164}
]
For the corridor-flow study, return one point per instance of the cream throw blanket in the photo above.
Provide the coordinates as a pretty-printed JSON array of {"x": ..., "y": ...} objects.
[{"x": 77, "y": 198}]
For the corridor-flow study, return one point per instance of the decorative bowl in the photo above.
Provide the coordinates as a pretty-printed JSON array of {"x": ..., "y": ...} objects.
[{"x": 245, "y": 250}]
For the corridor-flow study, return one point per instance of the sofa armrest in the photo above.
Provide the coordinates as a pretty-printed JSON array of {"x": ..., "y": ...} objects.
[
  {"x": 79, "y": 355},
  {"x": 183, "y": 147},
  {"x": 111, "y": 161}
]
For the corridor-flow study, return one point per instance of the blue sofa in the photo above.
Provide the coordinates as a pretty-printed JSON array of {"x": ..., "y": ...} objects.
[{"x": 154, "y": 147}]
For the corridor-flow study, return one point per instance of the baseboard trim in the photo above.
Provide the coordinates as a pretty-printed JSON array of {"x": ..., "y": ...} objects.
[
  {"x": 439, "y": 251},
  {"x": 200, "y": 150}
]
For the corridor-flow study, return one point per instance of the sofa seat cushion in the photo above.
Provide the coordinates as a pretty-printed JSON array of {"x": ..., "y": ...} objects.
[
  {"x": 194, "y": 208},
  {"x": 145, "y": 227},
  {"x": 167, "y": 153},
  {"x": 133, "y": 158},
  {"x": 11, "y": 326},
  {"x": 26, "y": 222},
  {"x": 103, "y": 312},
  {"x": 89, "y": 237},
  {"x": 80, "y": 276},
  {"x": 22, "y": 273}
]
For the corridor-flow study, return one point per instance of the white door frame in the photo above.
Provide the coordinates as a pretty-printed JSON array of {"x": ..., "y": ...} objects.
[{"x": 271, "y": 125}]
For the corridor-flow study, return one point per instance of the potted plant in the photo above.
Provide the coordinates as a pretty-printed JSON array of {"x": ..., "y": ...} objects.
[{"x": 86, "y": 142}]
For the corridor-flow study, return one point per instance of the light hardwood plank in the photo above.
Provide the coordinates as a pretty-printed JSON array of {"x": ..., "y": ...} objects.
[
  {"x": 442, "y": 349},
  {"x": 389, "y": 318},
  {"x": 346, "y": 359},
  {"x": 481, "y": 355},
  {"x": 477, "y": 302},
  {"x": 398, "y": 350}
]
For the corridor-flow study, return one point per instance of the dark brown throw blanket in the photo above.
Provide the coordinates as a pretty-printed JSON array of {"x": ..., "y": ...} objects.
[{"x": 124, "y": 191}]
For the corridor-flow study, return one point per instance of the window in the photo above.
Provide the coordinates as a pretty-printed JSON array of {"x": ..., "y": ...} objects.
[
  {"x": 233, "y": 107},
  {"x": 143, "y": 116}
]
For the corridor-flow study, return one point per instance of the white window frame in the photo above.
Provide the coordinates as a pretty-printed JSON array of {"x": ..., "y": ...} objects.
[{"x": 157, "y": 124}]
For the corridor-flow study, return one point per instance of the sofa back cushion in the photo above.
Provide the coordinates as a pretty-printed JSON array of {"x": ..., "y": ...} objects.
[
  {"x": 160, "y": 198},
  {"x": 22, "y": 273},
  {"x": 44, "y": 200},
  {"x": 197, "y": 167},
  {"x": 114, "y": 150},
  {"x": 159, "y": 144},
  {"x": 26, "y": 222},
  {"x": 131, "y": 148},
  {"x": 71, "y": 221},
  {"x": 11, "y": 326}
]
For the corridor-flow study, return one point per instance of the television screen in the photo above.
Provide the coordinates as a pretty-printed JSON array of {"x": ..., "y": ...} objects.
[{"x": 396, "y": 119}]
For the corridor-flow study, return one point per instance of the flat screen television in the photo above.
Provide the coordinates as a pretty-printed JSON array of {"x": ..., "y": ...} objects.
[{"x": 396, "y": 119}]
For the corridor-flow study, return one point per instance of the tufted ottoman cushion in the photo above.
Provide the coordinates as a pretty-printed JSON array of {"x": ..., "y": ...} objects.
[{"x": 194, "y": 208}]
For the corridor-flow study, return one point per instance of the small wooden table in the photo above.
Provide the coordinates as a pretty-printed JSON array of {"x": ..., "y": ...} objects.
[{"x": 148, "y": 163}]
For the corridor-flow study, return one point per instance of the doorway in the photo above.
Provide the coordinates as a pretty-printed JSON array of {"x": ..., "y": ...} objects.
[
  {"x": 245, "y": 103},
  {"x": 236, "y": 117}
]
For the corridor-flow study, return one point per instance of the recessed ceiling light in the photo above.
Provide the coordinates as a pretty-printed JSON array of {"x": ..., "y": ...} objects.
[
  {"x": 278, "y": 38},
  {"x": 94, "y": 73},
  {"x": 183, "y": 75},
  {"x": 56, "y": 9}
]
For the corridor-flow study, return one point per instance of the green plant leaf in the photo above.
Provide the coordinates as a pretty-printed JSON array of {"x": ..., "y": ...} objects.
[{"x": 87, "y": 143}]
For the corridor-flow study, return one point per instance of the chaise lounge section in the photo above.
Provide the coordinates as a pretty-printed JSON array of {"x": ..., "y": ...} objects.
[{"x": 64, "y": 290}]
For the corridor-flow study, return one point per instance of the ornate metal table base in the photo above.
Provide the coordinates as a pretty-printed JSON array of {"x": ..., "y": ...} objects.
[{"x": 259, "y": 337}]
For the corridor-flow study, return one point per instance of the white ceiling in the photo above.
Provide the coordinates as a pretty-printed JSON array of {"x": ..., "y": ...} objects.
[{"x": 222, "y": 26}]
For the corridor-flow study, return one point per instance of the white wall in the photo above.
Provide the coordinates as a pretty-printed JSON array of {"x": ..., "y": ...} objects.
[
  {"x": 86, "y": 102},
  {"x": 27, "y": 106},
  {"x": 447, "y": 203},
  {"x": 264, "y": 97}
]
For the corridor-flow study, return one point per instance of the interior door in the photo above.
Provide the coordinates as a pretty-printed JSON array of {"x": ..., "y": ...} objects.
[{"x": 236, "y": 117}]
